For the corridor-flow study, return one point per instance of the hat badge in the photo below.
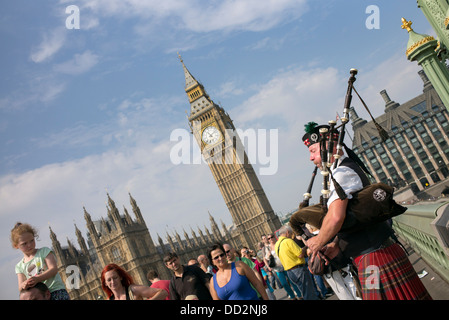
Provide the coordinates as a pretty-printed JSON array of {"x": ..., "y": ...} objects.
[{"x": 379, "y": 195}]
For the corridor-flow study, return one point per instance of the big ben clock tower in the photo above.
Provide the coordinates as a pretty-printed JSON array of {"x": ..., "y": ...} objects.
[{"x": 222, "y": 150}]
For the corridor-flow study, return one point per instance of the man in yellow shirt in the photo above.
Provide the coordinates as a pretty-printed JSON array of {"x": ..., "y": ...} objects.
[{"x": 292, "y": 259}]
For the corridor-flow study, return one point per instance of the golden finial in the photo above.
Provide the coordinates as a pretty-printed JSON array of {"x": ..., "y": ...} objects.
[
  {"x": 406, "y": 25},
  {"x": 179, "y": 56}
]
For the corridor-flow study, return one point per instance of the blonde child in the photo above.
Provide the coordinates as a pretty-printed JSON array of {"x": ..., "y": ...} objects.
[{"x": 37, "y": 265}]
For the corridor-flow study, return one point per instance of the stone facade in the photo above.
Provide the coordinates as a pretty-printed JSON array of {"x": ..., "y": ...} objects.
[{"x": 125, "y": 241}]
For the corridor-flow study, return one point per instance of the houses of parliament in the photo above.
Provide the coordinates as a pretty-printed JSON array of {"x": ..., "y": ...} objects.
[{"x": 126, "y": 241}]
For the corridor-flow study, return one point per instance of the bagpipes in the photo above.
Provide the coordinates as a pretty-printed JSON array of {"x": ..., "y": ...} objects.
[{"x": 372, "y": 204}]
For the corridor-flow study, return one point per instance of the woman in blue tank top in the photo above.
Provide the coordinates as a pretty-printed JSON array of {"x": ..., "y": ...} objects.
[{"x": 233, "y": 281}]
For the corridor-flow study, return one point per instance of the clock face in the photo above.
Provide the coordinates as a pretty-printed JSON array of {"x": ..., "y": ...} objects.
[{"x": 210, "y": 135}]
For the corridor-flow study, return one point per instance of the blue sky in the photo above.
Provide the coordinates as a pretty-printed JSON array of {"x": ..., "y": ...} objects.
[{"x": 88, "y": 111}]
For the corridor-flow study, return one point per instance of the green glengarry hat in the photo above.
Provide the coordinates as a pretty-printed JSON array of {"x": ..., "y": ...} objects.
[{"x": 313, "y": 134}]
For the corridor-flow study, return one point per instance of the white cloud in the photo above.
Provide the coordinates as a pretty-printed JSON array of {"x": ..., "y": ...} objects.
[
  {"x": 205, "y": 16},
  {"x": 229, "y": 88},
  {"x": 293, "y": 96},
  {"x": 41, "y": 90},
  {"x": 252, "y": 15},
  {"x": 81, "y": 63},
  {"x": 52, "y": 42},
  {"x": 268, "y": 43}
]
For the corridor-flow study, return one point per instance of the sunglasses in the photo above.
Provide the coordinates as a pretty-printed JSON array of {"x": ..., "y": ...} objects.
[
  {"x": 270, "y": 238},
  {"x": 221, "y": 255}
]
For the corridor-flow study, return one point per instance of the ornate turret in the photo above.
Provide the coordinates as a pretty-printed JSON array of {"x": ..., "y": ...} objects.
[
  {"x": 170, "y": 242},
  {"x": 198, "y": 97},
  {"x": 421, "y": 48},
  {"x": 161, "y": 243},
  {"x": 114, "y": 214},
  {"x": 136, "y": 210},
  {"x": 417, "y": 42},
  {"x": 180, "y": 243},
  {"x": 195, "y": 238},
  {"x": 188, "y": 240},
  {"x": 91, "y": 227},
  {"x": 81, "y": 241},
  {"x": 215, "y": 230},
  {"x": 57, "y": 246}
]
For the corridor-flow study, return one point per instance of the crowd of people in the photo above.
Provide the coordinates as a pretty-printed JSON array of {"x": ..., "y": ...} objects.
[
  {"x": 345, "y": 259},
  {"x": 222, "y": 273}
]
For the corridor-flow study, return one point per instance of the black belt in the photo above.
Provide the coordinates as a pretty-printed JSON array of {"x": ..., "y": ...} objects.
[
  {"x": 297, "y": 266},
  {"x": 388, "y": 242}
]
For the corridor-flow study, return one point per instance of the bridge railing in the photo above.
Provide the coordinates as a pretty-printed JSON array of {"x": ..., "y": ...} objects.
[{"x": 425, "y": 227}]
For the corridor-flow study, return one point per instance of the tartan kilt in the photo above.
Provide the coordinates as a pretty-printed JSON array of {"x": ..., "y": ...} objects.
[{"x": 387, "y": 274}]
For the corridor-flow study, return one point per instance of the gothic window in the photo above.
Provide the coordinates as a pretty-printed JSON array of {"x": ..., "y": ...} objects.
[
  {"x": 136, "y": 248},
  {"x": 116, "y": 255}
]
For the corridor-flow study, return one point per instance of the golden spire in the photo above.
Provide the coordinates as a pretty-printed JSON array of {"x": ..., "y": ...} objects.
[{"x": 406, "y": 25}]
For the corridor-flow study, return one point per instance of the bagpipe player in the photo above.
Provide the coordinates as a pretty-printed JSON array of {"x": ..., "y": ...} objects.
[{"x": 384, "y": 270}]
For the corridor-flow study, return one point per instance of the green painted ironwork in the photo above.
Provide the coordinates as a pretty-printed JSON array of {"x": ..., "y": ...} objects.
[{"x": 415, "y": 227}]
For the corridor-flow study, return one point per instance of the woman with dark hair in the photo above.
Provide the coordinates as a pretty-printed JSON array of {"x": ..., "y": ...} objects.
[
  {"x": 119, "y": 285},
  {"x": 233, "y": 281}
]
